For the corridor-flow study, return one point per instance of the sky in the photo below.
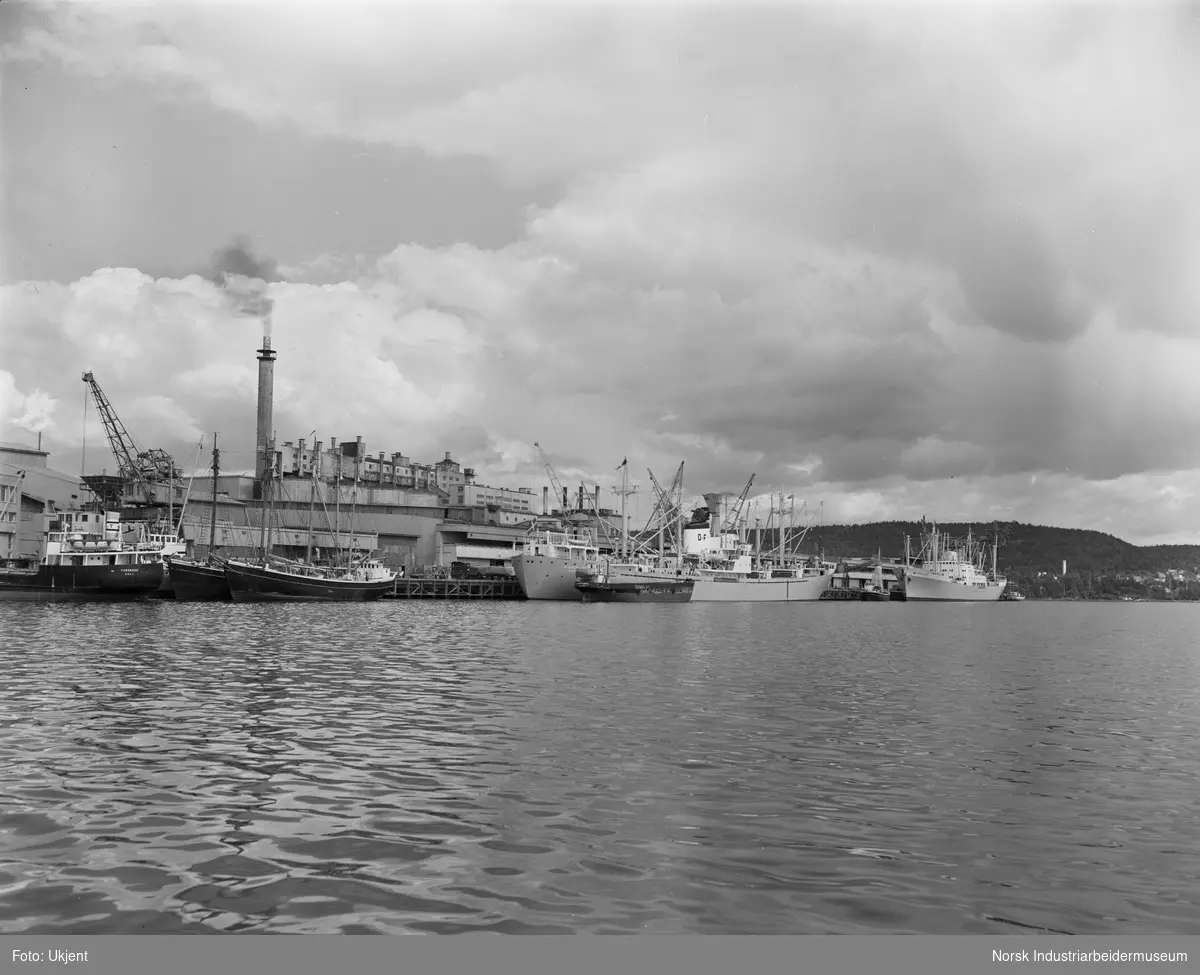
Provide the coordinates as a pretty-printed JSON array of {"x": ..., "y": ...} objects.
[{"x": 895, "y": 260}]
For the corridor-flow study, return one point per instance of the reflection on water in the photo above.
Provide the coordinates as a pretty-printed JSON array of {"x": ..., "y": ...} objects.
[{"x": 523, "y": 767}]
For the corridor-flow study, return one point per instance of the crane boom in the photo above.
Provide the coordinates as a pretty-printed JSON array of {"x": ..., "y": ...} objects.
[
  {"x": 735, "y": 516},
  {"x": 559, "y": 490},
  {"x": 138, "y": 468}
]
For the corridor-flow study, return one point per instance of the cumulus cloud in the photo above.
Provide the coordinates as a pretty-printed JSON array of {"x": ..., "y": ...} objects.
[{"x": 32, "y": 412}]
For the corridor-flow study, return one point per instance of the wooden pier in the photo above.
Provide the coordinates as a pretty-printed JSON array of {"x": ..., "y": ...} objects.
[{"x": 456, "y": 589}]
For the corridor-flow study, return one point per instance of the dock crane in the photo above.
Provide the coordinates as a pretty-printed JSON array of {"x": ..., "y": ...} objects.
[
  {"x": 139, "y": 469},
  {"x": 735, "y": 514},
  {"x": 559, "y": 490},
  {"x": 667, "y": 509}
]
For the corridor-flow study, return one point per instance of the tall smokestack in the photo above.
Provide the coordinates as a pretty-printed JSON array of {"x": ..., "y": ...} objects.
[
  {"x": 266, "y": 405},
  {"x": 545, "y": 500}
]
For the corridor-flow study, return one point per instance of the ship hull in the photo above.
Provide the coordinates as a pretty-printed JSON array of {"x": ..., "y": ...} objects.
[
  {"x": 54, "y": 583},
  {"x": 255, "y": 583},
  {"x": 760, "y": 590},
  {"x": 856, "y": 596},
  {"x": 655, "y": 591},
  {"x": 933, "y": 589},
  {"x": 551, "y": 577},
  {"x": 198, "y": 582}
]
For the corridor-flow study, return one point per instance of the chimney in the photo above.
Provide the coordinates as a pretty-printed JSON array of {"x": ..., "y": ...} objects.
[
  {"x": 300, "y": 457},
  {"x": 266, "y": 406},
  {"x": 447, "y": 455},
  {"x": 597, "y": 497},
  {"x": 358, "y": 457},
  {"x": 545, "y": 500},
  {"x": 316, "y": 471}
]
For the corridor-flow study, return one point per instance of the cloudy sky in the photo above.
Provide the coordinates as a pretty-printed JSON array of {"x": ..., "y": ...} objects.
[{"x": 905, "y": 260}]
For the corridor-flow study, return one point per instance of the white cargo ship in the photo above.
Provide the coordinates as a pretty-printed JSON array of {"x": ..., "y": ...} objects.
[{"x": 951, "y": 570}]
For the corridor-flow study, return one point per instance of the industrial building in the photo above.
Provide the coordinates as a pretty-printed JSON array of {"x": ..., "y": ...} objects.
[
  {"x": 324, "y": 497},
  {"x": 29, "y": 490}
]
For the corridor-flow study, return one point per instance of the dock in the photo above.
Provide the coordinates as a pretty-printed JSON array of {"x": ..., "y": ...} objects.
[{"x": 456, "y": 589}]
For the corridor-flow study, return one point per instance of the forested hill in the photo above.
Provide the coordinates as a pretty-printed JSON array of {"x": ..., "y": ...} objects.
[{"x": 1027, "y": 548}]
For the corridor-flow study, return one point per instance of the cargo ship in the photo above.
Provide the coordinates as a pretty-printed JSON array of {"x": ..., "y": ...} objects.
[
  {"x": 745, "y": 579},
  {"x": 951, "y": 570},
  {"x": 551, "y": 562},
  {"x": 84, "y": 558}
]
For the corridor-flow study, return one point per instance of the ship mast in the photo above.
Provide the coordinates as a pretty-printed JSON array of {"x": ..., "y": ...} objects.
[
  {"x": 212, "y": 523},
  {"x": 268, "y": 506},
  {"x": 679, "y": 523},
  {"x": 312, "y": 497}
]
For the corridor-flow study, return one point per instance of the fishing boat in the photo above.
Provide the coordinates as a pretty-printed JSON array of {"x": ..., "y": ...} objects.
[
  {"x": 951, "y": 570},
  {"x": 276, "y": 578},
  {"x": 272, "y": 578},
  {"x": 202, "y": 580},
  {"x": 84, "y": 558}
]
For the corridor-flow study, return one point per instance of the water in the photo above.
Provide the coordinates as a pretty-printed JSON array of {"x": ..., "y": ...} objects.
[{"x": 544, "y": 767}]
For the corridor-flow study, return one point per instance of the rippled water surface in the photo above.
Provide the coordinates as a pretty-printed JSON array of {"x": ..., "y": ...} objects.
[{"x": 555, "y": 767}]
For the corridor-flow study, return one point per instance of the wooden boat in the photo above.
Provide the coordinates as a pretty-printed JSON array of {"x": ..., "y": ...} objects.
[
  {"x": 202, "y": 580},
  {"x": 281, "y": 579},
  {"x": 198, "y": 581},
  {"x": 270, "y": 578}
]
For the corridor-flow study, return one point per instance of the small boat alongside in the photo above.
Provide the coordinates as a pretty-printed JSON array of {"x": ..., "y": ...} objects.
[
  {"x": 641, "y": 580},
  {"x": 642, "y": 591}
]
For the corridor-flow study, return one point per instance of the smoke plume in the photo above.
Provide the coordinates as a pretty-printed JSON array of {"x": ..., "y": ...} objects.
[{"x": 245, "y": 279}]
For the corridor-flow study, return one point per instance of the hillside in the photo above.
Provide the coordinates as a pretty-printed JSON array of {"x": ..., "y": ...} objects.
[{"x": 1026, "y": 549}]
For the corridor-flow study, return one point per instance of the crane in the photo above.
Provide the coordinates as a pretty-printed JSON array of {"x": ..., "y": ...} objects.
[
  {"x": 666, "y": 508},
  {"x": 735, "y": 515},
  {"x": 137, "y": 468},
  {"x": 559, "y": 490}
]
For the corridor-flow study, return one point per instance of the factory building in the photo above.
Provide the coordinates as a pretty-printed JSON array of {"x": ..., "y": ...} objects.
[{"x": 29, "y": 490}]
